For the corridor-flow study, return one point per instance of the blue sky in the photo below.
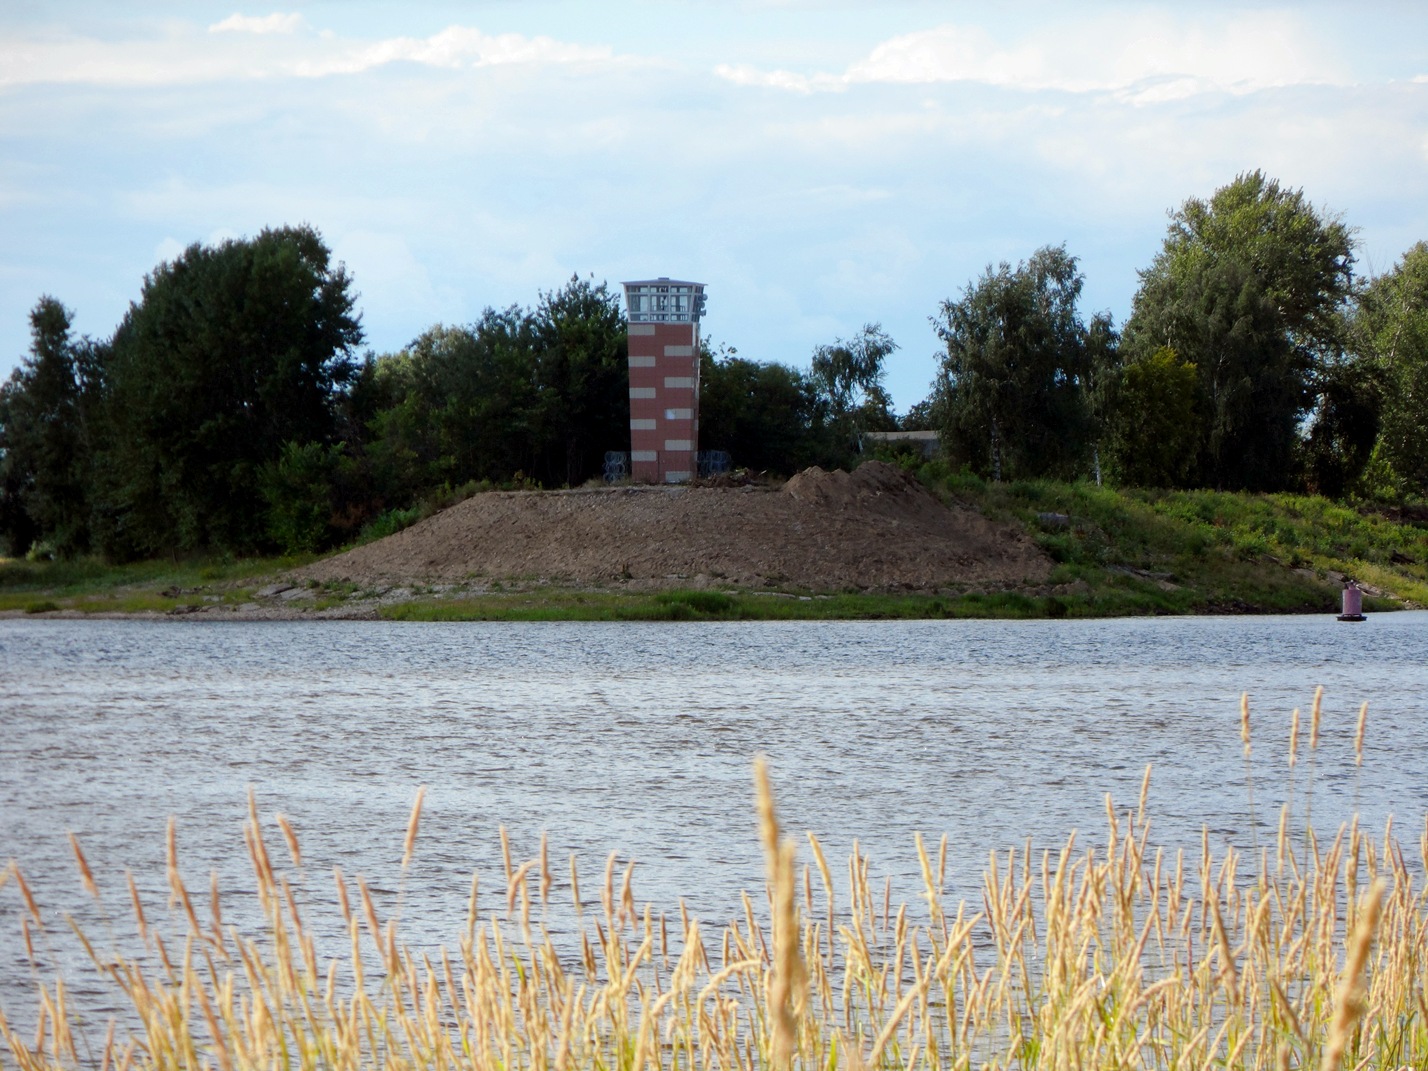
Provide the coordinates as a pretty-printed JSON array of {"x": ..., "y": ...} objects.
[{"x": 818, "y": 165}]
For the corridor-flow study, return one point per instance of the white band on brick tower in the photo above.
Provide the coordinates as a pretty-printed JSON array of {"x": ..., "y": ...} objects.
[{"x": 664, "y": 378}]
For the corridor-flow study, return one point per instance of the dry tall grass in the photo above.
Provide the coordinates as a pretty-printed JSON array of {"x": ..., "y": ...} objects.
[{"x": 1114, "y": 956}]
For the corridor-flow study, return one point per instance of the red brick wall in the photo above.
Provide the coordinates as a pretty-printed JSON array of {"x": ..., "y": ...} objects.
[{"x": 664, "y": 402}]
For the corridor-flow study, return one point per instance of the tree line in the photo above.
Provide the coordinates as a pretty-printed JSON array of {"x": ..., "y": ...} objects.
[
  {"x": 231, "y": 411},
  {"x": 1253, "y": 359}
]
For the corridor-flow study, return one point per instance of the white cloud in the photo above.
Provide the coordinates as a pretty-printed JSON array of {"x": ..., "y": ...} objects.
[
  {"x": 259, "y": 24},
  {"x": 1145, "y": 58},
  {"x": 744, "y": 74},
  {"x": 453, "y": 47},
  {"x": 169, "y": 249},
  {"x": 242, "y": 48}
]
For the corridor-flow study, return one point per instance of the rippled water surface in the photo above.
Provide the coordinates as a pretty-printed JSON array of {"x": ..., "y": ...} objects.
[{"x": 638, "y": 738}]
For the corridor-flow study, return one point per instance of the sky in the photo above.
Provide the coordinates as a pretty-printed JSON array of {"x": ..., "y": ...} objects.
[{"x": 817, "y": 165}]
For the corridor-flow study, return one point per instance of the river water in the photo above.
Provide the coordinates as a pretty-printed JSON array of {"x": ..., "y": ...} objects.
[{"x": 638, "y": 739}]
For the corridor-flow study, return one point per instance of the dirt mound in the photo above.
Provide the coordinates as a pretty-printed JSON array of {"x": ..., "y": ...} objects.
[
  {"x": 874, "y": 528},
  {"x": 839, "y": 489}
]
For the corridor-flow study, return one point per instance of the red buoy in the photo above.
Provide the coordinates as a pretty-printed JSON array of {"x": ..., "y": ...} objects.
[{"x": 1353, "y": 603}]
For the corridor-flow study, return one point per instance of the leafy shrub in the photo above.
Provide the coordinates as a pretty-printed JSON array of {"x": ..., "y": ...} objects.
[
  {"x": 42, "y": 550},
  {"x": 709, "y": 603},
  {"x": 298, "y": 490},
  {"x": 390, "y": 523},
  {"x": 1061, "y": 548},
  {"x": 1250, "y": 544}
]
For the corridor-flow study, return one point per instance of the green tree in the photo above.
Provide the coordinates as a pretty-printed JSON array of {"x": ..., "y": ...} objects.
[
  {"x": 458, "y": 405},
  {"x": 849, "y": 374},
  {"x": 543, "y": 392},
  {"x": 1301, "y": 257},
  {"x": 581, "y": 380},
  {"x": 767, "y": 415},
  {"x": 1252, "y": 385},
  {"x": 922, "y": 416},
  {"x": 231, "y": 352},
  {"x": 383, "y": 416},
  {"x": 1249, "y": 287},
  {"x": 1011, "y": 391},
  {"x": 1151, "y": 424},
  {"x": 299, "y": 487},
  {"x": 45, "y": 455},
  {"x": 1389, "y": 330},
  {"x": 1344, "y": 427}
]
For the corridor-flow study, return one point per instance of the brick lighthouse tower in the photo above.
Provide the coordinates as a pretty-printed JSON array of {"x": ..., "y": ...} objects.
[{"x": 664, "y": 379}]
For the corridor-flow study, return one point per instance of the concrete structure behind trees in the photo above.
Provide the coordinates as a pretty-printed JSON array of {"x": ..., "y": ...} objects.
[
  {"x": 664, "y": 379},
  {"x": 927, "y": 443}
]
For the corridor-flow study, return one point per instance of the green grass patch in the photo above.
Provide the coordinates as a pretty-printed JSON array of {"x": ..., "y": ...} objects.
[
  {"x": 91, "y": 585},
  {"x": 1205, "y": 551}
]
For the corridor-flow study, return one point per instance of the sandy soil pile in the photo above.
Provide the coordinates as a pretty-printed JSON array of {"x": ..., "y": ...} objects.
[{"x": 875, "y": 528}]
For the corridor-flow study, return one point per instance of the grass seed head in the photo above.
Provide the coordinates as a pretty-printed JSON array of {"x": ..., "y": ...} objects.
[
  {"x": 86, "y": 876},
  {"x": 290, "y": 838},
  {"x": 409, "y": 845},
  {"x": 1244, "y": 722}
]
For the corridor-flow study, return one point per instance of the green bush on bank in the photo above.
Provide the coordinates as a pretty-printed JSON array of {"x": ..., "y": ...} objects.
[
  {"x": 392, "y": 521},
  {"x": 1266, "y": 550}
]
